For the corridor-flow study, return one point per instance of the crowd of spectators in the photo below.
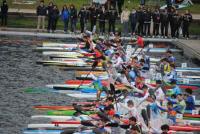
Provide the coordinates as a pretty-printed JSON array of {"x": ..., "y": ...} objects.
[{"x": 95, "y": 18}]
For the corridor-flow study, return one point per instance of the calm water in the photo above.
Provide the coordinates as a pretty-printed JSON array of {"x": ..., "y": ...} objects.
[{"x": 19, "y": 71}]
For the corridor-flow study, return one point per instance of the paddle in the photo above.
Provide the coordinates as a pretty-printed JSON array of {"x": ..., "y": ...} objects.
[
  {"x": 94, "y": 65},
  {"x": 112, "y": 88}
]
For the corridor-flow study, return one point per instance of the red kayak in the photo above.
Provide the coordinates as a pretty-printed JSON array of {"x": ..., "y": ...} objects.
[
  {"x": 181, "y": 86},
  {"x": 191, "y": 115},
  {"x": 44, "y": 107},
  {"x": 185, "y": 128},
  {"x": 83, "y": 82},
  {"x": 65, "y": 122}
]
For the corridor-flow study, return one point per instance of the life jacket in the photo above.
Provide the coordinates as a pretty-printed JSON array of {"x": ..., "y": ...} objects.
[{"x": 140, "y": 42}]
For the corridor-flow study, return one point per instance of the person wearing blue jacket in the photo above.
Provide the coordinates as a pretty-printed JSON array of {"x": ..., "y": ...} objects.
[
  {"x": 65, "y": 17},
  {"x": 189, "y": 100}
]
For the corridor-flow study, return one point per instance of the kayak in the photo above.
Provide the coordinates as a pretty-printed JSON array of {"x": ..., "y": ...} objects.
[
  {"x": 81, "y": 68},
  {"x": 192, "y": 115},
  {"x": 43, "y": 131},
  {"x": 52, "y": 44},
  {"x": 156, "y": 50},
  {"x": 52, "y": 125},
  {"x": 64, "y": 49},
  {"x": 83, "y": 82},
  {"x": 185, "y": 128},
  {"x": 67, "y": 112},
  {"x": 61, "y": 118},
  {"x": 85, "y": 95}
]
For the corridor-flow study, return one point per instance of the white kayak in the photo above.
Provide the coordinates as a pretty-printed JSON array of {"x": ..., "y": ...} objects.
[
  {"x": 55, "y": 49},
  {"x": 189, "y": 77},
  {"x": 62, "y": 53},
  {"x": 52, "y": 44},
  {"x": 42, "y": 131},
  {"x": 52, "y": 125},
  {"x": 61, "y": 118},
  {"x": 85, "y": 95},
  {"x": 155, "y": 50},
  {"x": 69, "y": 63}
]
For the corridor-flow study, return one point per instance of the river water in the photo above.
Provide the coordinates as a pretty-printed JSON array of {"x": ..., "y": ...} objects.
[{"x": 19, "y": 71}]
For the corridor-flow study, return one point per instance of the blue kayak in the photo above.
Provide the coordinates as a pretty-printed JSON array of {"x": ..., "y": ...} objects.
[{"x": 42, "y": 131}]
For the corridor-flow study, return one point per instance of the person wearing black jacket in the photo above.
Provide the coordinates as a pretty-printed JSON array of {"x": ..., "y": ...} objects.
[
  {"x": 177, "y": 19},
  {"x": 73, "y": 18},
  {"x": 83, "y": 16},
  {"x": 164, "y": 23},
  {"x": 147, "y": 22},
  {"x": 187, "y": 19},
  {"x": 4, "y": 13},
  {"x": 93, "y": 18},
  {"x": 54, "y": 17},
  {"x": 41, "y": 13},
  {"x": 111, "y": 20},
  {"x": 140, "y": 21},
  {"x": 102, "y": 19},
  {"x": 156, "y": 22},
  {"x": 120, "y": 3},
  {"x": 133, "y": 20},
  {"x": 171, "y": 12},
  {"x": 49, "y": 14}
]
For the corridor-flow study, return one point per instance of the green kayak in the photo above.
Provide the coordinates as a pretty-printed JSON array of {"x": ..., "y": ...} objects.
[
  {"x": 67, "y": 112},
  {"x": 190, "y": 118}
]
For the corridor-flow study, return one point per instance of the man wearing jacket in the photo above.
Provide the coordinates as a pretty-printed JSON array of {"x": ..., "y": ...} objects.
[
  {"x": 111, "y": 20},
  {"x": 187, "y": 19},
  {"x": 164, "y": 23},
  {"x": 102, "y": 18},
  {"x": 73, "y": 18},
  {"x": 83, "y": 16},
  {"x": 41, "y": 13},
  {"x": 177, "y": 19},
  {"x": 156, "y": 22},
  {"x": 49, "y": 15},
  {"x": 140, "y": 21},
  {"x": 125, "y": 19},
  {"x": 4, "y": 13},
  {"x": 133, "y": 21},
  {"x": 147, "y": 22},
  {"x": 93, "y": 18}
]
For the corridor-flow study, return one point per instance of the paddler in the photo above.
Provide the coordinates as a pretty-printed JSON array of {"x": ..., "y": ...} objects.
[
  {"x": 189, "y": 99},
  {"x": 117, "y": 61}
]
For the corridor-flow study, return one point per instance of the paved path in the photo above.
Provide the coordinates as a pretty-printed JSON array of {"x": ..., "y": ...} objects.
[
  {"x": 59, "y": 34},
  {"x": 191, "y": 48}
]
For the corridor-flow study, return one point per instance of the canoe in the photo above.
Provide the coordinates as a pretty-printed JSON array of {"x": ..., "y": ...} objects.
[
  {"x": 67, "y": 112},
  {"x": 84, "y": 82},
  {"x": 64, "y": 63}
]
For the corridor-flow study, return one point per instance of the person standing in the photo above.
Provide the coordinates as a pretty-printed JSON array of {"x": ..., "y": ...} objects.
[
  {"x": 140, "y": 21},
  {"x": 93, "y": 18},
  {"x": 156, "y": 22},
  {"x": 41, "y": 13},
  {"x": 83, "y": 16},
  {"x": 73, "y": 18},
  {"x": 65, "y": 17},
  {"x": 102, "y": 19},
  {"x": 124, "y": 20},
  {"x": 120, "y": 3},
  {"x": 147, "y": 22},
  {"x": 164, "y": 23},
  {"x": 171, "y": 12},
  {"x": 49, "y": 15},
  {"x": 54, "y": 16},
  {"x": 133, "y": 20},
  {"x": 177, "y": 24},
  {"x": 187, "y": 19},
  {"x": 4, "y": 13},
  {"x": 111, "y": 20}
]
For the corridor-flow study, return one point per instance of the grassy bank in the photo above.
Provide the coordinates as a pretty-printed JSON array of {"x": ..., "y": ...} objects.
[
  {"x": 23, "y": 22},
  {"x": 78, "y": 3}
]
